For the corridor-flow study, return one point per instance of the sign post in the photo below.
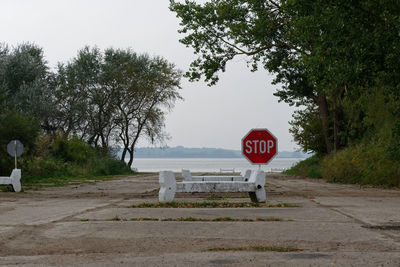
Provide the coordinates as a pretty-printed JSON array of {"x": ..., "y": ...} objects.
[
  {"x": 259, "y": 146},
  {"x": 15, "y": 149}
]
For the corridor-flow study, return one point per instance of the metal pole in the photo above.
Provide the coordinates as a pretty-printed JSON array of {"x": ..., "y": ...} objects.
[{"x": 15, "y": 153}]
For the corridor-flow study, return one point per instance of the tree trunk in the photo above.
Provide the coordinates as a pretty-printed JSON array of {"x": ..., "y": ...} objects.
[
  {"x": 337, "y": 127},
  {"x": 130, "y": 158},
  {"x": 324, "y": 115},
  {"x": 124, "y": 154}
]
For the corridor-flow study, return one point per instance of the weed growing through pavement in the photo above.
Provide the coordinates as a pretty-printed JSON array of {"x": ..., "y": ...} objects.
[
  {"x": 213, "y": 205},
  {"x": 195, "y": 219},
  {"x": 257, "y": 248}
]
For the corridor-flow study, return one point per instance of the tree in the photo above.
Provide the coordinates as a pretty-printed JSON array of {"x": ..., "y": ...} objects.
[
  {"x": 24, "y": 78},
  {"x": 220, "y": 30},
  {"x": 114, "y": 97},
  {"x": 143, "y": 87},
  {"x": 323, "y": 53}
]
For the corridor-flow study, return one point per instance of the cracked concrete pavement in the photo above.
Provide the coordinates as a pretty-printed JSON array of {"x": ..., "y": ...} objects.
[{"x": 95, "y": 225}]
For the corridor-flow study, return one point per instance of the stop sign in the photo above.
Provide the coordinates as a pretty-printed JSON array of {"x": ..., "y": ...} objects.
[{"x": 259, "y": 146}]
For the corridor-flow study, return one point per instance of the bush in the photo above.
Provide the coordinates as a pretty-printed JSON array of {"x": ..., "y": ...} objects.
[
  {"x": 73, "y": 150},
  {"x": 362, "y": 164},
  {"x": 107, "y": 165},
  {"x": 309, "y": 167},
  {"x": 62, "y": 158},
  {"x": 49, "y": 167},
  {"x": 16, "y": 126}
]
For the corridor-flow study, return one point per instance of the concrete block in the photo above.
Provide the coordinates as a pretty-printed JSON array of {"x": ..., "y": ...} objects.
[
  {"x": 14, "y": 180},
  {"x": 212, "y": 184}
]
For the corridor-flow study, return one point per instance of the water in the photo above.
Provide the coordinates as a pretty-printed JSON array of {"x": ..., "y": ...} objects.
[{"x": 208, "y": 164}]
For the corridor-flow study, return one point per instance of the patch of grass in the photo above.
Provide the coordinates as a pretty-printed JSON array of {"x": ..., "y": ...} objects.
[
  {"x": 256, "y": 248},
  {"x": 269, "y": 219},
  {"x": 6, "y": 188},
  {"x": 116, "y": 218},
  {"x": 310, "y": 167},
  {"x": 212, "y": 205},
  {"x": 222, "y": 197},
  {"x": 219, "y": 219},
  {"x": 144, "y": 219},
  {"x": 215, "y": 197},
  {"x": 193, "y": 219}
]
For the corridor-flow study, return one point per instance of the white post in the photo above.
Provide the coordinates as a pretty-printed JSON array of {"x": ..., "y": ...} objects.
[
  {"x": 167, "y": 186},
  {"x": 16, "y": 180},
  {"x": 258, "y": 177}
]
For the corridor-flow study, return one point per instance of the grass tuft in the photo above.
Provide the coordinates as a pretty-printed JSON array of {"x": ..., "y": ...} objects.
[
  {"x": 206, "y": 204},
  {"x": 256, "y": 248}
]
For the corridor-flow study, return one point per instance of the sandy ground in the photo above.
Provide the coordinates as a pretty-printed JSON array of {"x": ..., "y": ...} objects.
[{"x": 90, "y": 225}]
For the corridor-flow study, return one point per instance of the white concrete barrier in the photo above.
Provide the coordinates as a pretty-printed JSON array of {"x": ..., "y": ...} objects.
[
  {"x": 14, "y": 180},
  {"x": 254, "y": 186},
  {"x": 226, "y": 170},
  {"x": 244, "y": 177}
]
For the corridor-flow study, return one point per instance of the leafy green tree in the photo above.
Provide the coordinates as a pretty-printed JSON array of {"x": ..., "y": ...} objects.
[
  {"x": 24, "y": 86},
  {"x": 324, "y": 53},
  {"x": 144, "y": 88},
  {"x": 114, "y": 97}
]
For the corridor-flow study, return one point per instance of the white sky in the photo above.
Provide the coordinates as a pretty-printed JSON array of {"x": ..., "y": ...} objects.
[{"x": 217, "y": 116}]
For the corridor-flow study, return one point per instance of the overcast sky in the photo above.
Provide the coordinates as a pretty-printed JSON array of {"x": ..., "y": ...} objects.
[{"x": 217, "y": 116}]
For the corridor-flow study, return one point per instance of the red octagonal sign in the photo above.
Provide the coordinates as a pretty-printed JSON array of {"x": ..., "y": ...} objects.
[{"x": 259, "y": 146}]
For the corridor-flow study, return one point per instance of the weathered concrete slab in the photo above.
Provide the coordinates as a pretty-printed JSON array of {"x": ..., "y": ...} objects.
[
  {"x": 124, "y": 185},
  {"x": 370, "y": 210},
  {"x": 44, "y": 211},
  {"x": 238, "y": 258},
  {"x": 295, "y": 214},
  {"x": 277, "y": 231},
  {"x": 48, "y": 227}
]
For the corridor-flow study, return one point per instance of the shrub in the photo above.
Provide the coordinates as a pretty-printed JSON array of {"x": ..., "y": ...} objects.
[
  {"x": 16, "y": 126},
  {"x": 362, "y": 164},
  {"x": 309, "y": 167},
  {"x": 72, "y": 150},
  {"x": 107, "y": 165}
]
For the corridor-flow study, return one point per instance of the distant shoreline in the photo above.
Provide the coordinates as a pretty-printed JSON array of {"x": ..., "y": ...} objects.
[{"x": 217, "y": 153}]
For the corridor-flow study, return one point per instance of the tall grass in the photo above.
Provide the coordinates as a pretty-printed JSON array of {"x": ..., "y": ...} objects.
[
  {"x": 362, "y": 164},
  {"x": 69, "y": 158},
  {"x": 309, "y": 168},
  {"x": 365, "y": 164}
]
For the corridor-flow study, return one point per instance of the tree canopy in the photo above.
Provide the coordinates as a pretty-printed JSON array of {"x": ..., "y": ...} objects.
[
  {"x": 105, "y": 98},
  {"x": 329, "y": 56}
]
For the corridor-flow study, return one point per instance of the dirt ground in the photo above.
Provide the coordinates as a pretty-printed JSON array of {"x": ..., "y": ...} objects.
[{"x": 96, "y": 225}]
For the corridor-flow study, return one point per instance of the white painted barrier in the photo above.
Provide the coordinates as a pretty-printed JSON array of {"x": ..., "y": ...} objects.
[
  {"x": 244, "y": 177},
  {"x": 227, "y": 170},
  {"x": 254, "y": 186},
  {"x": 14, "y": 180}
]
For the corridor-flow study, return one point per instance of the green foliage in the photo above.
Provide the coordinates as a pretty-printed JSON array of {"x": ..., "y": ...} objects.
[
  {"x": 24, "y": 78},
  {"x": 114, "y": 95},
  {"x": 363, "y": 164},
  {"x": 74, "y": 149},
  {"x": 308, "y": 168},
  {"x": 339, "y": 59},
  {"x": 16, "y": 126},
  {"x": 63, "y": 158},
  {"x": 107, "y": 165},
  {"x": 306, "y": 130}
]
